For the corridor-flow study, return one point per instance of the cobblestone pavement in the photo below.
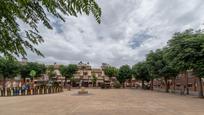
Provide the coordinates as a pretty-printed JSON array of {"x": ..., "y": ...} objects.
[{"x": 103, "y": 102}]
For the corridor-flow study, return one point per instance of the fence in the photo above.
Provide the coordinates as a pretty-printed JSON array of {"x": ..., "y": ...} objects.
[{"x": 19, "y": 91}]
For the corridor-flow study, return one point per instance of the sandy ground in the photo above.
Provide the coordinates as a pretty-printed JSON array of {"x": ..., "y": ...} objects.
[{"x": 103, "y": 102}]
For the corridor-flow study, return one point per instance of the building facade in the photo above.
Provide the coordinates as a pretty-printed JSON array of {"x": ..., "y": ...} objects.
[
  {"x": 180, "y": 84},
  {"x": 86, "y": 76}
]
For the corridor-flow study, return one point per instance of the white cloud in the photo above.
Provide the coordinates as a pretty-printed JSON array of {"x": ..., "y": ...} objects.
[{"x": 152, "y": 22}]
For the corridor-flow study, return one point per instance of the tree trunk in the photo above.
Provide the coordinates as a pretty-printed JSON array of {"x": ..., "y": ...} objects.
[
  {"x": 152, "y": 85},
  {"x": 186, "y": 76},
  {"x": 166, "y": 85},
  {"x": 142, "y": 84},
  {"x": 123, "y": 84},
  {"x": 174, "y": 88},
  {"x": 201, "y": 87},
  {"x": 24, "y": 79},
  {"x": 65, "y": 81},
  {"x": 4, "y": 83}
]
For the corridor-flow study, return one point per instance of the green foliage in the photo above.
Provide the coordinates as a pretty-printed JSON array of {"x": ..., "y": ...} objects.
[
  {"x": 186, "y": 50},
  {"x": 94, "y": 79},
  {"x": 124, "y": 73},
  {"x": 159, "y": 66},
  {"x": 51, "y": 71},
  {"x": 68, "y": 71},
  {"x": 9, "y": 68},
  {"x": 140, "y": 71},
  {"x": 73, "y": 80},
  {"x": 15, "y": 39},
  {"x": 117, "y": 85},
  {"x": 25, "y": 69},
  {"x": 32, "y": 73},
  {"x": 111, "y": 71}
]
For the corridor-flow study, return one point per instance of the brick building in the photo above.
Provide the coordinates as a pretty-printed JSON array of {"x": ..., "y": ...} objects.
[{"x": 180, "y": 83}]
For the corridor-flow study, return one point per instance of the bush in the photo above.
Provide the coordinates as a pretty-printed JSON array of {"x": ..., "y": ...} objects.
[
  {"x": 103, "y": 86},
  {"x": 56, "y": 84},
  {"x": 117, "y": 85}
]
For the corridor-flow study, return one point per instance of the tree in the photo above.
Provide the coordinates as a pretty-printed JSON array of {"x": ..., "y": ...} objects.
[
  {"x": 15, "y": 39},
  {"x": 94, "y": 79},
  {"x": 25, "y": 69},
  {"x": 51, "y": 71},
  {"x": 186, "y": 50},
  {"x": 111, "y": 72},
  {"x": 160, "y": 67},
  {"x": 9, "y": 68},
  {"x": 124, "y": 73},
  {"x": 140, "y": 72},
  {"x": 152, "y": 66},
  {"x": 32, "y": 73},
  {"x": 68, "y": 71}
]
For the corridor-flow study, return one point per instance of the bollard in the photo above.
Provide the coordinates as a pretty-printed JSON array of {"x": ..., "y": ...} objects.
[
  {"x": 11, "y": 90},
  {"x": 46, "y": 90},
  {"x": 14, "y": 91},
  {"x": 38, "y": 92},
  {"x": 43, "y": 91},
  {"x": 31, "y": 91},
  {"x": 5, "y": 93},
  {"x": 0, "y": 93},
  {"x": 26, "y": 92},
  {"x": 19, "y": 91},
  {"x": 8, "y": 92}
]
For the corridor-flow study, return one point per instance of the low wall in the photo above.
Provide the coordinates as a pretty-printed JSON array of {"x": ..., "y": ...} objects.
[{"x": 33, "y": 91}]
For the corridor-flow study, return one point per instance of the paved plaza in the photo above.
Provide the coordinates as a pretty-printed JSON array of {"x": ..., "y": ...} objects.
[{"x": 103, "y": 102}]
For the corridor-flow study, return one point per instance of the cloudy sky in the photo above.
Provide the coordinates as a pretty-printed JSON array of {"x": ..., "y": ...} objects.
[{"x": 129, "y": 30}]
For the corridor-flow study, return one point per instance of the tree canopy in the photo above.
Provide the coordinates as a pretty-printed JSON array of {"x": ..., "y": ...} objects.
[
  {"x": 186, "y": 52},
  {"x": 8, "y": 68},
  {"x": 140, "y": 72},
  {"x": 111, "y": 71},
  {"x": 15, "y": 39},
  {"x": 68, "y": 71},
  {"x": 124, "y": 73},
  {"x": 25, "y": 69}
]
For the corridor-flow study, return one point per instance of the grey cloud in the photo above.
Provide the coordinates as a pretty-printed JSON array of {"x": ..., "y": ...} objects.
[{"x": 129, "y": 30}]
